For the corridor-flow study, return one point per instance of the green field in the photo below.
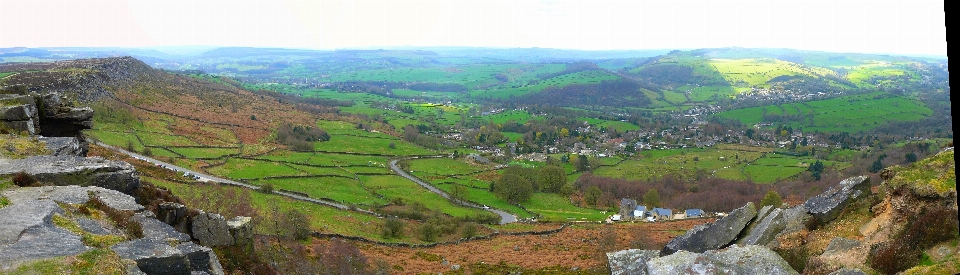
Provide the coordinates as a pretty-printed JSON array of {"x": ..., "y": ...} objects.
[
  {"x": 584, "y": 77},
  {"x": 756, "y": 72},
  {"x": 842, "y": 114}
]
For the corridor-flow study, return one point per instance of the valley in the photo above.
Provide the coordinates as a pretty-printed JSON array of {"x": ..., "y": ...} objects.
[{"x": 424, "y": 159}]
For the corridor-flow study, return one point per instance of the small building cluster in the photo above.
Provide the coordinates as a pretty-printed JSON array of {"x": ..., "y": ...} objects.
[{"x": 630, "y": 211}]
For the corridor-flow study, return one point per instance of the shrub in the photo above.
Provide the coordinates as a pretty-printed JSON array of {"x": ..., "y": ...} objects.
[
  {"x": 429, "y": 232},
  {"x": 266, "y": 188},
  {"x": 772, "y": 198},
  {"x": 469, "y": 230},
  {"x": 23, "y": 179},
  {"x": 893, "y": 256},
  {"x": 392, "y": 228}
]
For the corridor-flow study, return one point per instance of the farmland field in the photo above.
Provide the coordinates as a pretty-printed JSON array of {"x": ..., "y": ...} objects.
[{"x": 842, "y": 114}]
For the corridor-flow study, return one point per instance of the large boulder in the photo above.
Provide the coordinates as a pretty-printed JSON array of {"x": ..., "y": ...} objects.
[
  {"x": 630, "y": 262},
  {"x": 210, "y": 229},
  {"x": 65, "y": 146},
  {"x": 736, "y": 259},
  {"x": 826, "y": 206},
  {"x": 70, "y": 170},
  {"x": 712, "y": 235},
  {"x": 241, "y": 229},
  {"x": 766, "y": 229},
  {"x": 19, "y": 113},
  {"x": 174, "y": 214},
  {"x": 154, "y": 257},
  {"x": 59, "y": 118}
]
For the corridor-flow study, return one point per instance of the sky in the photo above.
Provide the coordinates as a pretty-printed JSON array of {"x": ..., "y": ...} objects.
[{"x": 892, "y": 27}]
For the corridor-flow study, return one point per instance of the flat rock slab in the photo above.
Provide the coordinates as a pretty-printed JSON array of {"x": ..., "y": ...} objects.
[
  {"x": 75, "y": 195},
  {"x": 712, "y": 235},
  {"x": 826, "y": 206},
  {"x": 630, "y": 262},
  {"x": 41, "y": 242},
  {"x": 65, "y": 146},
  {"x": 737, "y": 259},
  {"x": 27, "y": 233},
  {"x": 92, "y": 226},
  {"x": 82, "y": 171},
  {"x": 154, "y": 257},
  {"x": 766, "y": 229},
  {"x": 20, "y": 216},
  {"x": 157, "y": 230}
]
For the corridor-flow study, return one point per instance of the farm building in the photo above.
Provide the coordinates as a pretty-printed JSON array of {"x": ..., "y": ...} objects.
[
  {"x": 694, "y": 213},
  {"x": 640, "y": 212},
  {"x": 626, "y": 208},
  {"x": 662, "y": 213}
]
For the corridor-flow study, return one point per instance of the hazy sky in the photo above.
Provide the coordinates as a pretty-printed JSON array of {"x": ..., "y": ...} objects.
[{"x": 903, "y": 27}]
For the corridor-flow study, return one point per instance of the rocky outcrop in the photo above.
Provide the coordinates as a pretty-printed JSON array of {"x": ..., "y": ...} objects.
[
  {"x": 712, "y": 235},
  {"x": 826, "y": 206},
  {"x": 241, "y": 229},
  {"x": 65, "y": 146},
  {"x": 69, "y": 170},
  {"x": 174, "y": 214},
  {"x": 211, "y": 229},
  {"x": 19, "y": 113},
  {"x": 27, "y": 232},
  {"x": 766, "y": 229},
  {"x": 736, "y": 259},
  {"x": 59, "y": 118},
  {"x": 630, "y": 262}
]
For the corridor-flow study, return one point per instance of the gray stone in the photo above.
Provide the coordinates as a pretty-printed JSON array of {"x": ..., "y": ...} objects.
[
  {"x": 630, "y": 261},
  {"x": 795, "y": 219},
  {"x": 27, "y": 233},
  {"x": 25, "y": 112},
  {"x": 241, "y": 229},
  {"x": 92, "y": 226},
  {"x": 174, "y": 214},
  {"x": 766, "y": 229},
  {"x": 153, "y": 257},
  {"x": 65, "y": 146},
  {"x": 201, "y": 258},
  {"x": 848, "y": 271},
  {"x": 41, "y": 242},
  {"x": 75, "y": 195},
  {"x": 712, "y": 235},
  {"x": 737, "y": 259},
  {"x": 211, "y": 229},
  {"x": 826, "y": 206},
  {"x": 20, "y": 126},
  {"x": 159, "y": 231},
  {"x": 840, "y": 245},
  {"x": 22, "y": 215},
  {"x": 69, "y": 170},
  {"x": 763, "y": 212},
  {"x": 60, "y": 118}
]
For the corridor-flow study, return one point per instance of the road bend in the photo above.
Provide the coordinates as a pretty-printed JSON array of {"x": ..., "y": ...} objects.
[{"x": 505, "y": 217}]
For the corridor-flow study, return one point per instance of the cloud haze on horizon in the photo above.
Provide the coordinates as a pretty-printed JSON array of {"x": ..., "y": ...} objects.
[{"x": 896, "y": 27}]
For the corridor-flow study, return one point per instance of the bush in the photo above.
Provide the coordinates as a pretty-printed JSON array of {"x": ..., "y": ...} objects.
[
  {"x": 893, "y": 256},
  {"x": 429, "y": 232},
  {"x": 392, "y": 228},
  {"x": 772, "y": 198},
  {"x": 23, "y": 179},
  {"x": 266, "y": 188},
  {"x": 469, "y": 230}
]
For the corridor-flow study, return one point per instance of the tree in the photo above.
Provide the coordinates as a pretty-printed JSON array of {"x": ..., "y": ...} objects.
[
  {"x": 429, "y": 232},
  {"x": 652, "y": 198},
  {"x": 253, "y": 117},
  {"x": 513, "y": 188},
  {"x": 816, "y": 169},
  {"x": 469, "y": 230},
  {"x": 592, "y": 195},
  {"x": 392, "y": 228},
  {"x": 551, "y": 178},
  {"x": 772, "y": 198},
  {"x": 392, "y": 145},
  {"x": 458, "y": 192}
]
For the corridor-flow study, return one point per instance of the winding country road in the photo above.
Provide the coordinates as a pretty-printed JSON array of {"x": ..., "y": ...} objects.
[
  {"x": 505, "y": 217},
  {"x": 205, "y": 177}
]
